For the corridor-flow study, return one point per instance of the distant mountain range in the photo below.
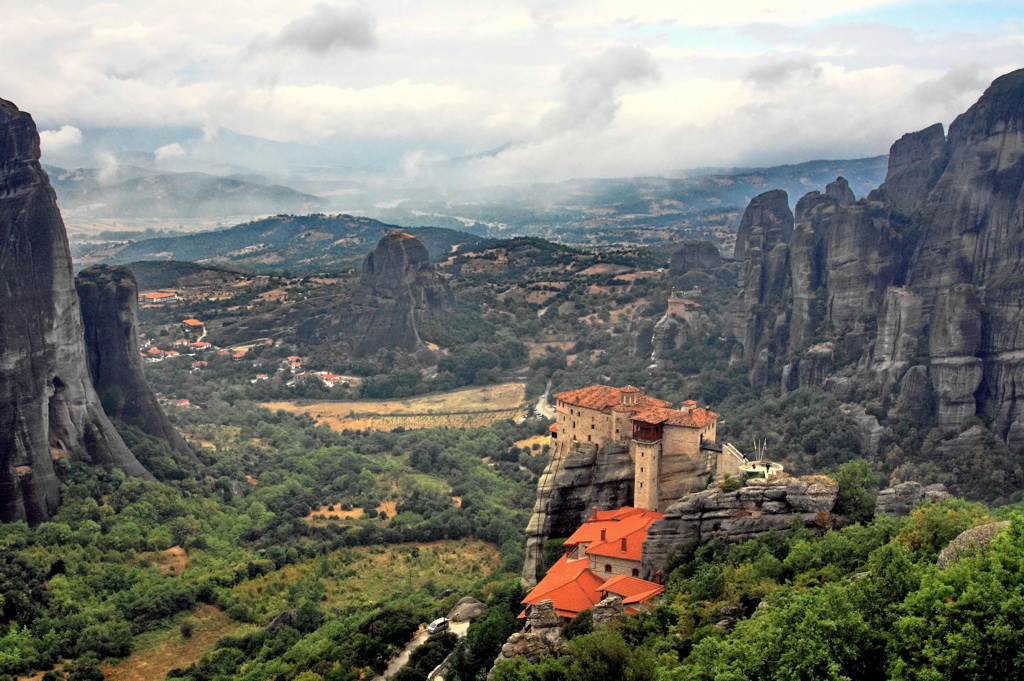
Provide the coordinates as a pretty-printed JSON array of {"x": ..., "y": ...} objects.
[
  {"x": 296, "y": 244},
  {"x": 596, "y": 212},
  {"x": 134, "y": 192}
]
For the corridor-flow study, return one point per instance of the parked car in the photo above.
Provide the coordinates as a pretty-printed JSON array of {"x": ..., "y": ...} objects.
[{"x": 438, "y": 626}]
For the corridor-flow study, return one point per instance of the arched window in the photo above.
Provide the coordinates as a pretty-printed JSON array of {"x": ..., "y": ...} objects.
[
  {"x": 607, "y": 567},
  {"x": 636, "y": 572}
]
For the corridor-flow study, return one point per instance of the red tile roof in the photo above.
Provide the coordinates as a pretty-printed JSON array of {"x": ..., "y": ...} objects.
[
  {"x": 193, "y": 322},
  {"x": 631, "y": 589},
  {"x": 605, "y": 398},
  {"x": 694, "y": 418},
  {"x": 626, "y": 526},
  {"x": 571, "y": 585}
]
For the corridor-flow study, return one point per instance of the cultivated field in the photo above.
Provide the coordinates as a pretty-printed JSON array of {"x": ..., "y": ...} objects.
[{"x": 465, "y": 408}]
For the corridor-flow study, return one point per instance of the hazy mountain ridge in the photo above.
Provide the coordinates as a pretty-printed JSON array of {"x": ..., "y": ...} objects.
[
  {"x": 134, "y": 192},
  {"x": 300, "y": 244}
]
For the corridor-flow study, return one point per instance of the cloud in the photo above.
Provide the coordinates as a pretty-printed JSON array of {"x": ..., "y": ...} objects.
[
  {"x": 326, "y": 29},
  {"x": 960, "y": 80},
  {"x": 57, "y": 141},
  {"x": 591, "y": 86},
  {"x": 168, "y": 152},
  {"x": 779, "y": 71}
]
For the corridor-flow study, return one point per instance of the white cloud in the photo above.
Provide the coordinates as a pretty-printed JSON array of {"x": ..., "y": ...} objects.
[
  {"x": 57, "y": 141},
  {"x": 169, "y": 151},
  {"x": 594, "y": 87},
  {"x": 327, "y": 28}
]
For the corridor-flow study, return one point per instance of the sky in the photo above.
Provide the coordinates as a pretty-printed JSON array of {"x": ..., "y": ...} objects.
[{"x": 595, "y": 88}]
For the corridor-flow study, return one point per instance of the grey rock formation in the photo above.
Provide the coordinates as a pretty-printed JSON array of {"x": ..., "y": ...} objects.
[
  {"x": 399, "y": 288},
  {"x": 972, "y": 541},
  {"x": 608, "y": 610},
  {"x": 916, "y": 161},
  {"x": 901, "y": 326},
  {"x": 766, "y": 223},
  {"x": 901, "y": 499},
  {"x": 931, "y": 266},
  {"x": 568, "y": 491},
  {"x": 695, "y": 255},
  {"x": 814, "y": 366},
  {"x": 541, "y": 637},
  {"x": 48, "y": 407},
  {"x": 840, "y": 192},
  {"x": 760, "y": 506},
  {"x": 466, "y": 609},
  {"x": 109, "y": 299}
]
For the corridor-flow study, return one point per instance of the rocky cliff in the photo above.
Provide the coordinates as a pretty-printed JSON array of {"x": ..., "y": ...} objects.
[
  {"x": 48, "y": 406},
  {"x": 398, "y": 289},
  {"x": 745, "y": 513},
  {"x": 109, "y": 300},
  {"x": 567, "y": 492},
  {"x": 927, "y": 272}
]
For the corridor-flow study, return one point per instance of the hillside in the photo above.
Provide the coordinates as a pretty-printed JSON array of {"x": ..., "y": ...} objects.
[
  {"x": 300, "y": 244},
  {"x": 139, "y": 193}
]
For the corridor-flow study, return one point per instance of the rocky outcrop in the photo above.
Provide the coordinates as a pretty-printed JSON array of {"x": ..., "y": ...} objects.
[
  {"x": 541, "y": 637},
  {"x": 927, "y": 272},
  {"x": 695, "y": 255},
  {"x": 840, "y": 192},
  {"x": 766, "y": 223},
  {"x": 48, "y": 406},
  {"x": 759, "y": 507},
  {"x": 916, "y": 162},
  {"x": 466, "y": 609},
  {"x": 971, "y": 542},
  {"x": 567, "y": 492},
  {"x": 610, "y": 609},
  {"x": 109, "y": 300},
  {"x": 399, "y": 288},
  {"x": 901, "y": 499}
]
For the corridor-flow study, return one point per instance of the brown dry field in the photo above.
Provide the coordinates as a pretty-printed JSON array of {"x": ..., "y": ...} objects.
[
  {"x": 633, "y": 276},
  {"x": 538, "y": 348},
  {"x": 605, "y": 268},
  {"x": 464, "y": 408},
  {"x": 389, "y": 507},
  {"x": 170, "y": 650},
  {"x": 536, "y": 439}
]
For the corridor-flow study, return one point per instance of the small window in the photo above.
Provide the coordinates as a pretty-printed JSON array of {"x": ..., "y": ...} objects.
[
  {"x": 607, "y": 568},
  {"x": 636, "y": 572},
  {"x": 641, "y": 469},
  {"x": 590, "y": 438},
  {"x": 591, "y": 426}
]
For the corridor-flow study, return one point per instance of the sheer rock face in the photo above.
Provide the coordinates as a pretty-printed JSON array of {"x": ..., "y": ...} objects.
[
  {"x": 109, "y": 299},
  {"x": 916, "y": 161},
  {"x": 934, "y": 260},
  {"x": 48, "y": 407},
  {"x": 760, "y": 506},
  {"x": 399, "y": 288},
  {"x": 767, "y": 222},
  {"x": 568, "y": 491}
]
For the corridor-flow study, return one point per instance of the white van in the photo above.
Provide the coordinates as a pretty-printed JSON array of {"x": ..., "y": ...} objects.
[{"x": 438, "y": 626}]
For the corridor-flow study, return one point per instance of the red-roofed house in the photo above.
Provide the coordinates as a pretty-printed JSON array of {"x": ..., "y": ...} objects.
[
  {"x": 601, "y": 557},
  {"x": 673, "y": 450}
]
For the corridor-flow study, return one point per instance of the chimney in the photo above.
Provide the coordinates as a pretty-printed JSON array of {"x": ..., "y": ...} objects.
[
  {"x": 603, "y": 531},
  {"x": 623, "y": 544}
]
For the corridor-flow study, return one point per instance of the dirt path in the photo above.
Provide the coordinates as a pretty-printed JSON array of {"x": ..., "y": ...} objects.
[{"x": 457, "y": 628}]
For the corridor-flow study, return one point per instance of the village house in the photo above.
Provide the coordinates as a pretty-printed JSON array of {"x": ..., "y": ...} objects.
[
  {"x": 602, "y": 557},
  {"x": 673, "y": 450},
  {"x": 159, "y": 297},
  {"x": 193, "y": 327}
]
